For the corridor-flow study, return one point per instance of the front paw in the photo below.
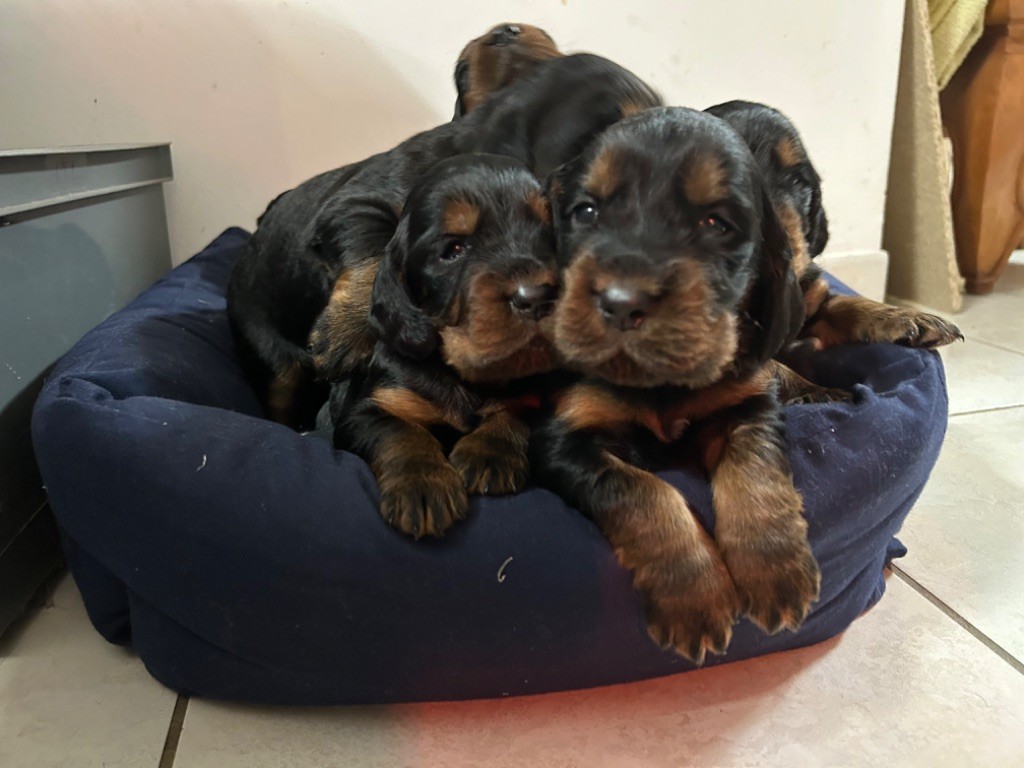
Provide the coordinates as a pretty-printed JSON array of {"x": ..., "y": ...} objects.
[
  {"x": 424, "y": 501},
  {"x": 777, "y": 579},
  {"x": 690, "y": 603},
  {"x": 927, "y": 331},
  {"x": 490, "y": 465}
]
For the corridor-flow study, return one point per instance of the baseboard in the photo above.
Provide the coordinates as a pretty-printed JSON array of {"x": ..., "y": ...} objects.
[{"x": 864, "y": 271}]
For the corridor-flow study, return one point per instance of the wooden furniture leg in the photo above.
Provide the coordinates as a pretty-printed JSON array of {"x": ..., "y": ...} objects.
[{"x": 983, "y": 110}]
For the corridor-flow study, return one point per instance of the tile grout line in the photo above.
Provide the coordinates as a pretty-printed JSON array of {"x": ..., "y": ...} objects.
[
  {"x": 993, "y": 409},
  {"x": 985, "y": 640},
  {"x": 170, "y": 750},
  {"x": 997, "y": 345}
]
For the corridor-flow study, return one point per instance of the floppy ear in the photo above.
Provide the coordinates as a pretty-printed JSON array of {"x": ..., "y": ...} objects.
[
  {"x": 394, "y": 319},
  {"x": 817, "y": 222},
  {"x": 776, "y": 301},
  {"x": 461, "y": 87},
  {"x": 557, "y": 187}
]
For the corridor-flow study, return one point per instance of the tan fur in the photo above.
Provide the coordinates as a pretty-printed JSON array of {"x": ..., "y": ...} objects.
[
  {"x": 492, "y": 459},
  {"x": 760, "y": 528},
  {"x": 705, "y": 181},
  {"x": 682, "y": 341},
  {"x": 789, "y": 152},
  {"x": 490, "y": 342},
  {"x": 410, "y": 468},
  {"x": 460, "y": 217},
  {"x": 853, "y": 319},
  {"x": 689, "y": 597},
  {"x": 343, "y": 330},
  {"x": 793, "y": 226},
  {"x": 539, "y": 206},
  {"x": 593, "y": 407},
  {"x": 281, "y": 394},
  {"x": 815, "y": 296},
  {"x": 408, "y": 406},
  {"x": 492, "y": 67},
  {"x": 603, "y": 175}
]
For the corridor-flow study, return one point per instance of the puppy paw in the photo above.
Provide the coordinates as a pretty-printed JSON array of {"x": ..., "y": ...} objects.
[
  {"x": 691, "y": 604},
  {"x": 927, "y": 331},
  {"x": 857, "y": 320},
  {"x": 778, "y": 582},
  {"x": 424, "y": 501},
  {"x": 491, "y": 465}
]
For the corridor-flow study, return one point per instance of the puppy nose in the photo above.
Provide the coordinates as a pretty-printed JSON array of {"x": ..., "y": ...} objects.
[
  {"x": 624, "y": 306},
  {"x": 505, "y": 34},
  {"x": 534, "y": 301}
]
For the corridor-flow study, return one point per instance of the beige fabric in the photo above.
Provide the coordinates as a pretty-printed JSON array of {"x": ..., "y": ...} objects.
[
  {"x": 956, "y": 26},
  {"x": 918, "y": 231}
]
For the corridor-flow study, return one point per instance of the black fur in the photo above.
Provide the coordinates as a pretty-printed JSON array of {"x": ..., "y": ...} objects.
[
  {"x": 421, "y": 290},
  {"x": 346, "y": 217}
]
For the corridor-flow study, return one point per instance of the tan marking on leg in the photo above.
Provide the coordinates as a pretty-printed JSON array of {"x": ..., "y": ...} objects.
[
  {"x": 341, "y": 338},
  {"x": 406, "y": 405},
  {"x": 761, "y": 530},
  {"x": 492, "y": 459},
  {"x": 281, "y": 393}
]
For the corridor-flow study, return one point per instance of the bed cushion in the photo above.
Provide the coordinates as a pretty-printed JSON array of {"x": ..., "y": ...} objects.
[{"x": 244, "y": 561}]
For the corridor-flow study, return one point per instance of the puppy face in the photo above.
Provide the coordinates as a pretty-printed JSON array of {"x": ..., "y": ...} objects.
[
  {"x": 675, "y": 268},
  {"x": 471, "y": 271},
  {"x": 498, "y": 57},
  {"x": 792, "y": 180}
]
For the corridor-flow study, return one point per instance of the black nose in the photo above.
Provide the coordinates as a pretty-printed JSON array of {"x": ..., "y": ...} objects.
[
  {"x": 505, "y": 34},
  {"x": 624, "y": 306},
  {"x": 534, "y": 301}
]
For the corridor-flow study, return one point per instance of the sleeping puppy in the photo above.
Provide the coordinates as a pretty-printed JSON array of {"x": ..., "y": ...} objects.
[
  {"x": 308, "y": 269},
  {"x": 678, "y": 288},
  {"x": 497, "y": 58},
  {"x": 795, "y": 188},
  {"x": 461, "y": 305}
]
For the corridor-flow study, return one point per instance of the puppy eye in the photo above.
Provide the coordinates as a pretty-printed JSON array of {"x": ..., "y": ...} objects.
[
  {"x": 455, "y": 249},
  {"x": 715, "y": 223},
  {"x": 585, "y": 214}
]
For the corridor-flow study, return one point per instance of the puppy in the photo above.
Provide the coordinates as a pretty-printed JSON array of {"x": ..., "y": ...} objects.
[
  {"x": 795, "y": 189},
  {"x": 541, "y": 120},
  {"x": 308, "y": 269},
  {"x": 461, "y": 304},
  {"x": 678, "y": 289},
  {"x": 497, "y": 58}
]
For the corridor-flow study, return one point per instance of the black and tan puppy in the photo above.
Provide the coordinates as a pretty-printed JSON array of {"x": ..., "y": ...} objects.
[
  {"x": 497, "y": 58},
  {"x": 461, "y": 306},
  {"x": 795, "y": 188},
  {"x": 308, "y": 270},
  {"x": 678, "y": 288}
]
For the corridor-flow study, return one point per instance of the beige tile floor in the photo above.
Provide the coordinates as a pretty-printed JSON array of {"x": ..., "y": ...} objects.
[{"x": 933, "y": 676}]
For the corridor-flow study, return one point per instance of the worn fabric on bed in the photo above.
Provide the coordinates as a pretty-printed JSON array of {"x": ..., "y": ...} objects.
[{"x": 244, "y": 561}]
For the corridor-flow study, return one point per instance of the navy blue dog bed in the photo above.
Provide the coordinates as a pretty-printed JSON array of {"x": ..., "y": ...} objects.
[{"x": 244, "y": 561}]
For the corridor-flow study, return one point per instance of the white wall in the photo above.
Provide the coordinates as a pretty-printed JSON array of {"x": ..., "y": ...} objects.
[{"x": 258, "y": 95}]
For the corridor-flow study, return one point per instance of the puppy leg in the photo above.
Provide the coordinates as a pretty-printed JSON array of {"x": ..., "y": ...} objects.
[
  {"x": 421, "y": 493},
  {"x": 794, "y": 389},
  {"x": 492, "y": 459},
  {"x": 689, "y": 600},
  {"x": 853, "y": 319},
  {"x": 760, "y": 528},
  {"x": 341, "y": 340}
]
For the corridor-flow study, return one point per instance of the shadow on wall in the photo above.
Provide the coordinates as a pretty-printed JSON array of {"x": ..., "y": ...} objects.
[{"x": 255, "y": 97}]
